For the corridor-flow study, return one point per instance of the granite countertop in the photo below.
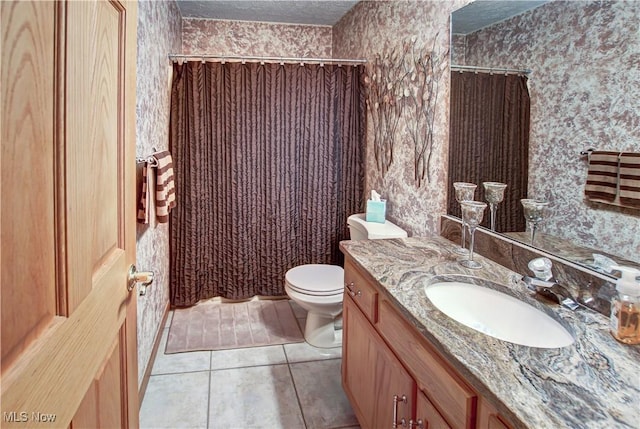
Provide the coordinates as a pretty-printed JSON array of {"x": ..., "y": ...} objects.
[{"x": 594, "y": 383}]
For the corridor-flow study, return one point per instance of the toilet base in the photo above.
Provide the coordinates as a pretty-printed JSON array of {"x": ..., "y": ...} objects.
[{"x": 319, "y": 331}]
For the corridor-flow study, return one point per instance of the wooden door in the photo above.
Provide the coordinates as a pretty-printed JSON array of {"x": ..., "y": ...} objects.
[{"x": 68, "y": 214}]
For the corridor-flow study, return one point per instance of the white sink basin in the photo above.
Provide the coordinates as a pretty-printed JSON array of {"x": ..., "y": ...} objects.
[{"x": 498, "y": 315}]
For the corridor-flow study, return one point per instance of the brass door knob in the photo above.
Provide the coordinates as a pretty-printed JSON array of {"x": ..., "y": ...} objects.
[{"x": 145, "y": 278}]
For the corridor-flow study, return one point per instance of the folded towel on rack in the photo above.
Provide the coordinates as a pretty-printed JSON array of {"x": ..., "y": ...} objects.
[
  {"x": 630, "y": 179},
  {"x": 165, "y": 186},
  {"x": 145, "y": 204},
  {"x": 602, "y": 177}
]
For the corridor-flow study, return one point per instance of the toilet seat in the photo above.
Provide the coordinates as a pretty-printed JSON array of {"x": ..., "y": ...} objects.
[{"x": 316, "y": 279}]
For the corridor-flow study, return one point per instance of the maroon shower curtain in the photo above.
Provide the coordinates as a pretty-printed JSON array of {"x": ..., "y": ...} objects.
[
  {"x": 489, "y": 141},
  {"x": 268, "y": 163}
]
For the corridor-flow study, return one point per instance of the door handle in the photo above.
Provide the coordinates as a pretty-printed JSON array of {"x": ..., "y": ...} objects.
[{"x": 145, "y": 278}]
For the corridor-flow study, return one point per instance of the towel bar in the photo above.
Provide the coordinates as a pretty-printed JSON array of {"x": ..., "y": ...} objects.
[{"x": 150, "y": 159}]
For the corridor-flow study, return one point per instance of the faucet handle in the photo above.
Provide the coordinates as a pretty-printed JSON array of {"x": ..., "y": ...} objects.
[
  {"x": 541, "y": 268},
  {"x": 535, "y": 283}
]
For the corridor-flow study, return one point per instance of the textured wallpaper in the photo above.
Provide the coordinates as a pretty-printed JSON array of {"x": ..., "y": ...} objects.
[
  {"x": 207, "y": 36},
  {"x": 364, "y": 32},
  {"x": 159, "y": 33},
  {"x": 585, "y": 93}
]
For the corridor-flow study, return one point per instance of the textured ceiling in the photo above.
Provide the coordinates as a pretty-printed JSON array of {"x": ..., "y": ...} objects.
[
  {"x": 290, "y": 12},
  {"x": 483, "y": 13},
  {"x": 474, "y": 16}
]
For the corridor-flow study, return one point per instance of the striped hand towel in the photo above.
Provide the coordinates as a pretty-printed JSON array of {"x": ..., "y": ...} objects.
[
  {"x": 630, "y": 179},
  {"x": 145, "y": 204},
  {"x": 602, "y": 177},
  {"x": 165, "y": 186}
]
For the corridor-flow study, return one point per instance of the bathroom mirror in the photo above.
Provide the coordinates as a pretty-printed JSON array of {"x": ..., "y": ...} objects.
[{"x": 585, "y": 93}]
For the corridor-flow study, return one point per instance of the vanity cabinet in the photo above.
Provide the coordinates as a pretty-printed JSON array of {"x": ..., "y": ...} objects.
[{"x": 389, "y": 369}]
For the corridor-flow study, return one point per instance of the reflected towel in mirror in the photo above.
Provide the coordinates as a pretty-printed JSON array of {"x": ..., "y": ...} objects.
[
  {"x": 630, "y": 179},
  {"x": 602, "y": 177}
]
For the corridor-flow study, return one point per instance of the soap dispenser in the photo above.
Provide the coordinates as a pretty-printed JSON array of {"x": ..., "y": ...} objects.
[{"x": 625, "y": 307}]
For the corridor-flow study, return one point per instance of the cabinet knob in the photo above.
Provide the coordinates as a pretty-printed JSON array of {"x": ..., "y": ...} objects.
[
  {"x": 349, "y": 287},
  {"x": 419, "y": 424}
]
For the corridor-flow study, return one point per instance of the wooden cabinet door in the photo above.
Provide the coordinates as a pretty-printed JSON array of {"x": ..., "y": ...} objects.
[
  {"x": 68, "y": 214},
  {"x": 488, "y": 417},
  {"x": 372, "y": 375},
  {"x": 358, "y": 363},
  {"x": 427, "y": 416},
  {"x": 447, "y": 391},
  {"x": 395, "y": 389}
]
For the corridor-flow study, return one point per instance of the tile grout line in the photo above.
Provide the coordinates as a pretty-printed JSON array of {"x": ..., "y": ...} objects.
[
  {"x": 293, "y": 382},
  {"x": 210, "y": 369},
  {"x": 209, "y": 390},
  {"x": 295, "y": 389}
]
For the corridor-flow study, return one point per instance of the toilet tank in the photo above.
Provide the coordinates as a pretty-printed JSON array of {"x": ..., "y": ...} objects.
[{"x": 360, "y": 229}]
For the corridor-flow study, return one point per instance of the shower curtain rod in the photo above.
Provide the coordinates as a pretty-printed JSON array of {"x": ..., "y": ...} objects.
[
  {"x": 455, "y": 67},
  {"x": 301, "y": 60}
]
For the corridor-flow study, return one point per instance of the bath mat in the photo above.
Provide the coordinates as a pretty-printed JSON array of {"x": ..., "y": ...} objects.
[{"x": 212, "y": 325}]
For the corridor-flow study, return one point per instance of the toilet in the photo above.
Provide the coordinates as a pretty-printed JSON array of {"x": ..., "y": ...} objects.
[{"x": 319, "y": 288}]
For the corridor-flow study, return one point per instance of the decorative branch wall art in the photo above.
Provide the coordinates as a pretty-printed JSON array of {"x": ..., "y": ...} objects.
[
  {"x": 403, "y": 82},
  {"x": 384, "y": 91},
  {"x": 424, "y": 68}
]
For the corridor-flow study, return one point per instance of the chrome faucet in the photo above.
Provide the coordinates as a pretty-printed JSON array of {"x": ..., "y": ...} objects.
[
  {"x": 551, "y": 290},
  {"x": 544, "y": 283}
]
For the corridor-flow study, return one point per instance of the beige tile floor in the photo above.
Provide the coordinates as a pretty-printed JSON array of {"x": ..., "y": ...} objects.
[{"x": 285, "y": 386}]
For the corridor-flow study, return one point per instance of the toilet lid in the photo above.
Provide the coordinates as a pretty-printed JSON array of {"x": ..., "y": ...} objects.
[{"x": 316, "y": 279}]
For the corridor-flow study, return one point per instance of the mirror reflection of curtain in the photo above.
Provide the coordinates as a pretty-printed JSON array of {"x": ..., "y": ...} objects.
[
  {"x": 269, "y": 163},
  {"x": 489, "y": 141}
]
